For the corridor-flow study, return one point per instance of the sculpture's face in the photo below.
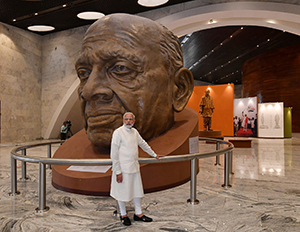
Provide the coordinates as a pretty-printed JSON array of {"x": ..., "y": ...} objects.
[
  {"x": 207, "y": 92},
  {"x": 119, "y": 75}
]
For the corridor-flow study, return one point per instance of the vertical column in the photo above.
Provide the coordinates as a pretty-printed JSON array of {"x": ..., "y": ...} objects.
[
  {"x": 217, "y": 157},
  {"x": 13, "y": 177},
  {"x": 226, "y": 171},
  {"x": 42, "y": 189},
  {"x": 49, "y": 153},
  {"x": 24, "y": 168},
  {"x": 230, "y": 163},
  {"x": 193, "y": 186}
]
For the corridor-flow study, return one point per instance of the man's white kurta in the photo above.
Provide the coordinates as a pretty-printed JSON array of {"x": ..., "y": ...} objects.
[{"x": 124, "y": 155}]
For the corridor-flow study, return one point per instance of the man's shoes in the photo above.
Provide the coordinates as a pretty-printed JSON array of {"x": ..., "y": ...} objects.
[
  {"x": 142, "y": 218},
  {"x": 125, "y": 220}
]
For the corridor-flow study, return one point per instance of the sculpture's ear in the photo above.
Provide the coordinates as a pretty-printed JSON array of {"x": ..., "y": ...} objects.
[{"x": 183, "y": 88}]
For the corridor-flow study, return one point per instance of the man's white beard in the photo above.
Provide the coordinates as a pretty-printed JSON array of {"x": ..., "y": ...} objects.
[{"x": 129, "y": 126}]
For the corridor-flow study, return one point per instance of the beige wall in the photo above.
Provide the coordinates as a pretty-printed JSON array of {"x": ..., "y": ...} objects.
[
  {"x": 35, "y": 74},
  {"x": 60, "y": 52},
  {"x": 20, "y": 84}
]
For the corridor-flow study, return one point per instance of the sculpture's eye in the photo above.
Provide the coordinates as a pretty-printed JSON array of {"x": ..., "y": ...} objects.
[
  {"x": 120, "y": 69},
  {"x": 83, "y": 73},
  {"x": 123, "y": 71}
]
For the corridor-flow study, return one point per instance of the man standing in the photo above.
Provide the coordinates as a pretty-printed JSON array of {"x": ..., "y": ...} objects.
[
  {"x": 206, "y": 110},
  {"x": 126, "y": 182},
  {"x": 245, "y": 123},
  {"x": 63, "y": 131},
  {"x": 236, "y": 125}
]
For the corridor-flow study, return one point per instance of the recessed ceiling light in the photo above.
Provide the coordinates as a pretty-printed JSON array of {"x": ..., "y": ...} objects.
[
  {"x": 90, "y": 15},
  {"x": 40, "y": 28},
  {"x": 211, "y": 21},
  {"x": 152, "y": 3}
]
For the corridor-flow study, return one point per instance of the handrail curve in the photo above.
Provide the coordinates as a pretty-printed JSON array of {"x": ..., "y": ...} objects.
[
  {"x": 98, "y": 162},
  {"x": 95, "y": 162}
]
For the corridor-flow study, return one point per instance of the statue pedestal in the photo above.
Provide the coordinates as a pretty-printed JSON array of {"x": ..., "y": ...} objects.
[
  {"x": 211, "y": 134},
  {"x": 241, "y": 142},
  {"x": 155, "y": 177}
]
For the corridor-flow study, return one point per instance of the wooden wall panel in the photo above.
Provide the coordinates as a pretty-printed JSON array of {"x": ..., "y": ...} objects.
[{"x": 275, "y": 77}]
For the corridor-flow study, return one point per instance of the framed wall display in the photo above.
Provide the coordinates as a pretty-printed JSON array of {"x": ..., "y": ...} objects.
[
  {"x": 223, "y": 96},
  {"x": 271, "y": 120},
  {"x": 245, "y": 117}
]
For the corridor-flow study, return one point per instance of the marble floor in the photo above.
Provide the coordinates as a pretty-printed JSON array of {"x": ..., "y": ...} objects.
[{"x": 265, "y": 196}]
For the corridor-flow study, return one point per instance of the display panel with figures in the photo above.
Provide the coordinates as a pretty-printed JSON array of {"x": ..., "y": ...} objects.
[
  {"x": 245, "y": 117},
  {"x": 271, "y": 121}
]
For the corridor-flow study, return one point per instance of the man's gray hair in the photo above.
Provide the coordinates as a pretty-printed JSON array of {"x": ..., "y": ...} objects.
[{"x": 124, "y": 115}]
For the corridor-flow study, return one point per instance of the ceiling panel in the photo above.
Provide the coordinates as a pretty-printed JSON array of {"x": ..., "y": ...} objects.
[{"x": 216, "y": 55}]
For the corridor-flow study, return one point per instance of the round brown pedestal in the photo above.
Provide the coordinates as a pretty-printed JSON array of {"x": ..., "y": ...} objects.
[
  {"x": 211, "y": 134},
  {"x": 155, "y": 177}
]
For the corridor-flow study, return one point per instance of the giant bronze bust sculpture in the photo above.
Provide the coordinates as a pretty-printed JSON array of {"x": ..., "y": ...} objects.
[{"x": 130, "y": 63}]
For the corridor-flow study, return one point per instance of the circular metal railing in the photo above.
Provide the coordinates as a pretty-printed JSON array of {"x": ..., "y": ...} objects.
[{"x": 95, "y": 162}]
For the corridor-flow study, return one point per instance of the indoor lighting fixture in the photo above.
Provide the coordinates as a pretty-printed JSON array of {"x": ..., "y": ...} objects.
[
  {"x": 90, "y": 15},
  {"x": 152, "y": 3},
  {"x": 40, "y": 28}
]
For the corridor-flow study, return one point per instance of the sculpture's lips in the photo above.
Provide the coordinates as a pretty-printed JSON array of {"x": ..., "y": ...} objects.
[{"x": 103, "y": 120}]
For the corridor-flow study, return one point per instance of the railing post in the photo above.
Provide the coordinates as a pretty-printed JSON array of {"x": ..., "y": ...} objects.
[
  {"x": 42, "y": 189},
  {"x": 193, "y": 186},
  {"x": 226, "y": 171},
  {"x": 49, "y": 153},
  {"x": 217, "y": 157},
  {"x": 230, "y": 163},
  {"x": 13, "y": 177},
  {"x": 24, "y": 168}
]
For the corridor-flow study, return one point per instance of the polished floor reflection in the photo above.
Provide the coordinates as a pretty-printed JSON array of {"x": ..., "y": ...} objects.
[{"x": 264, "y": 196}]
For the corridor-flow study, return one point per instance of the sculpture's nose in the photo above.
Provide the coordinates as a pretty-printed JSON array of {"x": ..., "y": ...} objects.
[{"x": 97, "y": 87}]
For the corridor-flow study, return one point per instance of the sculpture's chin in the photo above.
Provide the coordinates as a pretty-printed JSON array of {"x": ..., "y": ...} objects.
[{"x": 102, "y": 140}]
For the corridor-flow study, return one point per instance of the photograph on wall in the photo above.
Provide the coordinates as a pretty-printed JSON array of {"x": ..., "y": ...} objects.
[
  {"x": 245, "y": 117},
  {"x": 271, "y": 121}
]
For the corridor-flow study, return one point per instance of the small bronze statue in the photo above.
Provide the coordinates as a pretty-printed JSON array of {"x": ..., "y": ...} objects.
[{"x": 206, "y": 110}]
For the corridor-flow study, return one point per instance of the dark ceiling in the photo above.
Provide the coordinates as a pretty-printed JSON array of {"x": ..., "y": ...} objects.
[
  {"x": 53, "y": 12},
  {"x": 213, "y": 55},
  {"x": 216, "y": 55}
]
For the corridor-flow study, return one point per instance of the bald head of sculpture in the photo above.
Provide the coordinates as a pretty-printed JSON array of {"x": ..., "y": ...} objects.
[
  {"x": 207, "y": 92},
  {"x": 130, "y": 63}
]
